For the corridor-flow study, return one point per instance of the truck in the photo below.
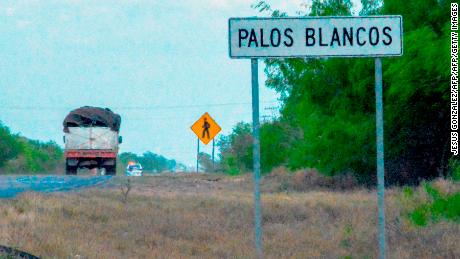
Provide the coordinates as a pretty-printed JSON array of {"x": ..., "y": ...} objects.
[{"x": 91, "y": 140}]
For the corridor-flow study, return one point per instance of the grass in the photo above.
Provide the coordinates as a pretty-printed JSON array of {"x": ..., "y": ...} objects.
[{"x": 211, "y": 216}]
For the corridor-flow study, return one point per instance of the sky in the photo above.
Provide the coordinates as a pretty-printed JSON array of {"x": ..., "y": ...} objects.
[{"x": 159, "y": 64}]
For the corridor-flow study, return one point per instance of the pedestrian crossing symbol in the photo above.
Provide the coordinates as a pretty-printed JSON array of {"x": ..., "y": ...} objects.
[{"x": 206, "y": 128}]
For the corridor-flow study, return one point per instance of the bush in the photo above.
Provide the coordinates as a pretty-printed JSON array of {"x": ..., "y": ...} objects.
[
  {"x": 236, "y": 150},
  {"x": 9, "y": 147},
  {"x": 280, "y": 179},
  {"x": 439, "y": 206},
  {"x": 22, "y": 155},
  {"x": 36, "y": 157}
]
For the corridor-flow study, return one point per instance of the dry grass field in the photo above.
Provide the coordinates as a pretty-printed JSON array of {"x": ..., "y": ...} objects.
[{"x": 211, "y": 216}]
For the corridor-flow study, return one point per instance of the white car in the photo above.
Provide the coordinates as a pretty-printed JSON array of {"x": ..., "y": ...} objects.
[{"x": 134, "y": 169}]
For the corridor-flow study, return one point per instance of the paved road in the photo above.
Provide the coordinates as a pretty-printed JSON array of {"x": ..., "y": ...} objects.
[{"x": 10, "y": 186}]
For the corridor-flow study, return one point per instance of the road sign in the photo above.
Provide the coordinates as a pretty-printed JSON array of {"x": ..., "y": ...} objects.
[
  {"x": 206, "y": 128},
  {"x": 370, "y": 36},
  {"x": 315, "y": 37}
]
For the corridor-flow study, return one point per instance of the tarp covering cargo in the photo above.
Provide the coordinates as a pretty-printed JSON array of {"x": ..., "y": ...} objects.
[
  {"x": 88, "y": 116},
  {"x": 91, "y": 138}
]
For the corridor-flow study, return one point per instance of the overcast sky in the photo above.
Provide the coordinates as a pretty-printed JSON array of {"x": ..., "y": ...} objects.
[{"x": 159, "y": 64}]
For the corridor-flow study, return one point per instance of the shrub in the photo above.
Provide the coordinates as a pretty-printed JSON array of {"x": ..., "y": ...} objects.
[
  {"x": 309, "y": 179},
  {"x": 454, "y": 170},
  {"x": 35, "y": 157},
  {"x": 9, "y": 147},
  {"x": 439, "y": 206}
]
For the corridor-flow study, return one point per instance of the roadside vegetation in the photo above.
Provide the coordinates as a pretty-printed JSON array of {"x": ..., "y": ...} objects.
[
  {"x": 20, "y": 155},
  {"x": 327, "y": 113},
  {"x": 327, "y": 116},
  {"x": 211, "y": 216},
  {"x": 327, "y": 122}
]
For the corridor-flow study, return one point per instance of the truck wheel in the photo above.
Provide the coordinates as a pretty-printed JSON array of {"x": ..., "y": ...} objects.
[{"x": 71, "y": 170}]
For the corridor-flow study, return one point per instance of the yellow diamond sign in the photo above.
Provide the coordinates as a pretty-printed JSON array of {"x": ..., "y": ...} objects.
[{"x": 206, "y": 128}]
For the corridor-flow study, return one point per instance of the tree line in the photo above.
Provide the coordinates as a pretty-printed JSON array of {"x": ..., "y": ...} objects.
[
  {"x": 21, "y": 155},
  {"x": 327, "y": 116},
  {"x": 150, "y": 162}
]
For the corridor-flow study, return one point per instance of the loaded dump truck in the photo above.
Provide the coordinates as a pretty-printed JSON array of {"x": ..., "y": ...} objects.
[{"x": 91, "y": 138}]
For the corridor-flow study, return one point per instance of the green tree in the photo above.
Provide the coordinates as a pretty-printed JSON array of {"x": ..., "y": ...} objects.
[
  {"x": 36, "y": 157},
  {"x": 277, "y": 141},
  {"x": 236, "y": 149},
  {"x": 9, "y": 147},
  {"x": 330, "y": 103}
]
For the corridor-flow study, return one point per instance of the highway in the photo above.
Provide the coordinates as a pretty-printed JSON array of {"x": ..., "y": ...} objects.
[{"x": 10, "y": 186}]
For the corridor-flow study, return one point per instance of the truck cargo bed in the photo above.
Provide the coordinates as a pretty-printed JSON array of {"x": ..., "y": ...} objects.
[{"x": 91, "y": 138}]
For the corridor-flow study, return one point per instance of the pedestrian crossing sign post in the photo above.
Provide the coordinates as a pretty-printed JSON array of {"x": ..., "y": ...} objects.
[{"x": 206, "y": 130}]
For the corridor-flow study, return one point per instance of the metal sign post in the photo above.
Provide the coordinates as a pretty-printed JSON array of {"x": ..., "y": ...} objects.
[
  {"x": 256, "y": 156},
  {"x": 380, "y": 157},
  {"x": 290, "y": 37},
  {"x": 197, "y": 153},
  {"x": 213, "y": 165}
]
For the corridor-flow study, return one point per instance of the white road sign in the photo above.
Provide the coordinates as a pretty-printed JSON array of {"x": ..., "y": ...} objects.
[{"x": 315, "y": 37}]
